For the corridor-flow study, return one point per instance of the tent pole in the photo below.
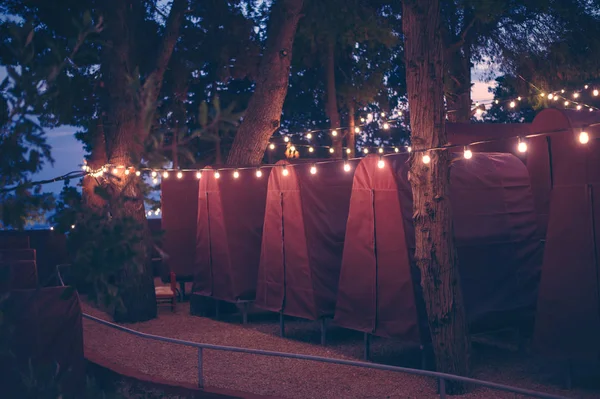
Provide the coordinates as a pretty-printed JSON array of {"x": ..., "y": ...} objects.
[
  {"x": 323, "y": 331},
  {"x": 367, "y": 340},
  {"x": 281, "y": 325}
]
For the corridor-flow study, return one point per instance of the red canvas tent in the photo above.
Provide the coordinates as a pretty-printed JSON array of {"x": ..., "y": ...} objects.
[
  {"x": 494, "y": 226},
  {"x": 179, "y": 207},
  {"x": 229, "y": 233},
  {"x": 568, "y": 312},
  {"x": 303, "y": 238}
]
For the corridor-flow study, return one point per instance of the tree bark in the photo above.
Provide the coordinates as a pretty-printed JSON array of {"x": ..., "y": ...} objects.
[
  {"x": 351, "y": 135},
  {"x": 264, "y": 109},
  {"x": 332, "y": 107},
  {"x": 435, "y": 253},
  {"x": 458, "y": 92}
]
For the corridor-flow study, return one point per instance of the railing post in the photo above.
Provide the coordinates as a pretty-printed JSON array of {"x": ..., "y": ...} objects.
[
  {"x": 200, "y": 376},
  {"x": 442, "y": 388}
]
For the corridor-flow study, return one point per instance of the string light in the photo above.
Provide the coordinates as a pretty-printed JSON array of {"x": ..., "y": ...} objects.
[
  {"x": 138, "y": 173},
  {"x": 550, "y": 96},
  {"x": 468, "y": 154},
  {"x": 272, "y": 146},
  {"x": 566, "y": 103},
  {"x": 84, "y": 167},
  {"x": 512, "y": 104},
  {"x": 310, "y": 149},
  {"x": 293, "y": 148},
  {"x": 179, "y": 175},
  {"x": 153, "y": 173},
  {"x": 285, "y": 171},
  {"x": 51, "y": 228},
  {"x": 396, "y": 149},
  {"x": 409, "y": 148},
  {"x": 313, "y": 170},
  {"x": 362, "y": 120},
  {"x": 380, "y": 150},
  {"x": 165, "y": 174},
  {"x": 575, "y": 95},
  {"x": 578, "y": 107},
  {"x": 386, "y": 126},
  {"x": 72, "y": 226},
  {"x": 383, "y": 114},
  {"x": 522, "y": 146},
  {"x": 584, "y": 138},
  {"x": 356, "y": 130},
  {"x": 519, "y": 98},
  {"x": 198, "y": 175},
  {"x": 236, "y": 174},
  {"x": 331, "y": 150},
  {"x": 426, "y": 159},
  {"x": 115, "y": 171},
  {"x": 286, "y": 139},
  {"x": 258, "y": 172},
  {"x": 380, "y": 163},
  {"x": 155, "y": 181},
  {"x": 217, "y": 174},
  {"x": 595, "y": 93},
  {"x": 585, "y": 87},
  {"x": 366, "y": 150},
  {"x": 370, "y": 116},
  {"x": 308, "y": 136},
  {"x": 334, "y": 133},
  {"x": 348, "y": 150},
  {"x": 126, "y": 171},
  {"x": 346, "y": 167}
]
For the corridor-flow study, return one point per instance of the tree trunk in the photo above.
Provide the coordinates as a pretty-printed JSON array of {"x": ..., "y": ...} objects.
[
  {"x": 332, "y": 107},
  {"x": 351, "y": 135},
  {"x": 264, "y": 109},
  {"x": 435, "y": 253},
  {"x": 458, "y": 92}
]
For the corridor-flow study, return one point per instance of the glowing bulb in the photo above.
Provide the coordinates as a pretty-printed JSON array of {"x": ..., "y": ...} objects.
[
  {"x": 555, "y": 98},
  {"x": 578, "y": 107},
  {"x": 84, "y": 167},
  {"x": 236, "y": 174},
  {"x": 409, "y": 148},
  {"x": 426, "y": 159},
  {"x": 285, "y": 172},
  {"x": 272, "y": 146},
  {"x": 198, "y": 175},
  {"x": 591, "y": 109},
  {"x": 369, "y": 115},
  {"x": 585, "y": 87},
  {"x": 331, "y": 150},
  {"x": 383, "y": 114},
  {"x": 584, "y": 138},
  {"x": 512, "y": 104},
  {"x": 149, "y": 213},
  {"x": 179, "y": 175},
  {"x": 334, "y": 133},
  {"x": 217, "y": 174},
  {"x": 522, "y": 147},
  {"x": 293, "y": 149},
  {"x": 362, "y": 120},
  {"x": 155, "y": 181},
  {"x": 156, "y": 212},
  {"x": 313, "y": 170},
  {"x": 575, "y": 95},
  {"x": 115, "y": 171},
  {"x": 380, "y": 163},
  {"x": 258, "y": 173},
  {"x": 468, "y": 154},
  {"x": 396, "y": 149},
  {"x": 153, "y": 173},
  {"x": 519, "y": 98},
  {"x": 310, "y": 149},
  {"x": 366, "y": 150},
  {"x": 165, "y": 174},
  {"x": 356, "y": 130},
  {"x": 51, "y": 228},
  {"x": 126, "y": 171},
  {"x": 542, "y": 94},
  {"x": 478, "y": 111},
  {"x": 595, "y": 92},
  {"x": 550, "y": 96},
  {"x": 380, "y": 150},
  {"x": 562, "y": 91},
  {"x": 476, "y": 103},
  {"x": 346, "y": 167},
  {"x": 309, "y": 136},
  {"x": 566, "y": 103},
  {"x": 386, "y": 126},
  {"x": 138, "y": 173},
  {"x": 72, "y": 226},
  {"x": 286, "y": 139},
  {"x": 497, "y": 102}
]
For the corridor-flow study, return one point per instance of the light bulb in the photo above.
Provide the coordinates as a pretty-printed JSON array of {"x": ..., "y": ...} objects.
[
  {"x": 366, "y": 150},
  {"x": 310, "y": 149},
  {"x": 313, "y": 170},
  {"x": 258, "y": 173},
  {"x": 555, "y": 98},
  {"x": 595, "y": 92},
  {"x": 578, "y": 107},
  {"x": 362, "y": 120},
  {"x": 72, "y": 226},
  {"x": 409, "y": 148},
  {"x": 115, "y": 171},
  {"x": 562, "y": 91},
  {"x": 348, "y": 150},
  {"x": 512, "y": 104},
  {"x": 383, "y": 114},
  {"x": 137, "y": 173},
  {"x": 179, "y": 175},
  {"x": 51, "y": 227},
  {"x": 198, "y": 175},
  {"x": 84, "y": 167},
  {"x": 396, "y": 149},
  {"x": 591, "y": 109},
  {"x": 497, "y": 101},
  {"x": 155, "y": 181},
  {"x": 309, "y": 136},
  {"x": 165, "y": 174},
  {"x": 476, "y": 103},
  {"x": 566, "y": 103},
  {"x": 356, "y": 130},
  {"x": 575, "y": 95},
  {"x": 293, "y": 149},
  {"x": 426, "y": 159},
  {"x": 286, "y": 139},
  {"x": 126, "y": 171},
  {"x": 370, "y": 115},
  {"x": 584, "y": 138},
  {"x": 585, "y": 87},
  {"x": 331, "y": 150},
  {"x": 386, "y": 126},
  {"x": 149, "y": 213},
  {"x": 156, "y": 212},
  {"x": 272, "y": 146},
  {"x": 380, "y": 163},
  {"x": 153, "y": 173},
  {"x": 346, "y": 167},
  {"x": 236, "y": 174},
  {"x": 217, "y": 174},
  {"x": 285, "y": 171},
  {"x": 519, "y": 98},
  {"x": 478, "y": 111},
  {"x": 334, "y": 133},
  {"x": 380, "y": 150},
  {"x": 550, "y": 96},
  {"x": 468, "y": 154},
  {"x": 542, "y": 94},
  {"x": 522, "y": 147}
]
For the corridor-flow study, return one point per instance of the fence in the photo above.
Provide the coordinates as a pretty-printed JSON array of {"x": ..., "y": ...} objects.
[{"x": 441, "y": 377}]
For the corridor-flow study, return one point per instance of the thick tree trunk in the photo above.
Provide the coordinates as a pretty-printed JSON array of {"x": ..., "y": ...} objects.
[
  {"x": 332, "y": 107},
  {"x": 351, "y": 135},
  {"x": 458, "y": 91},
  {"x": 264, "y": 109},
  {"x": 435, "y": 253}
]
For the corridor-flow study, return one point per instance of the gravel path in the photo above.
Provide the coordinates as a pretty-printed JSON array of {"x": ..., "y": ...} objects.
[{"x": 290, "y": 378}]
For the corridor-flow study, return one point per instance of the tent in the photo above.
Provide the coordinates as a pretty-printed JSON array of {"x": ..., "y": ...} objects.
[
  {"x": 229, "y": 232},
  {"x": 179, "y": 207},
  {"x": 568, "y": 311},
  {"x": 303, "y": 238},
  {"x": 494, "y": 226}
]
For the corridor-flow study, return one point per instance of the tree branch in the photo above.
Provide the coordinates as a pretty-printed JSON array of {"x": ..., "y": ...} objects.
[{"x": 462, "y": 37}]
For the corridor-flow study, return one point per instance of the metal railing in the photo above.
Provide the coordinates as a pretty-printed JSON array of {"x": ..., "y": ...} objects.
[{"x": 441, "y": 377}]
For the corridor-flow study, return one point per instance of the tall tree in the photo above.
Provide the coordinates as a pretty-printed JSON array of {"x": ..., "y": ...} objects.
[
  {"x": 263, "y": 115},
  {"x": 435, "y": 253}
]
